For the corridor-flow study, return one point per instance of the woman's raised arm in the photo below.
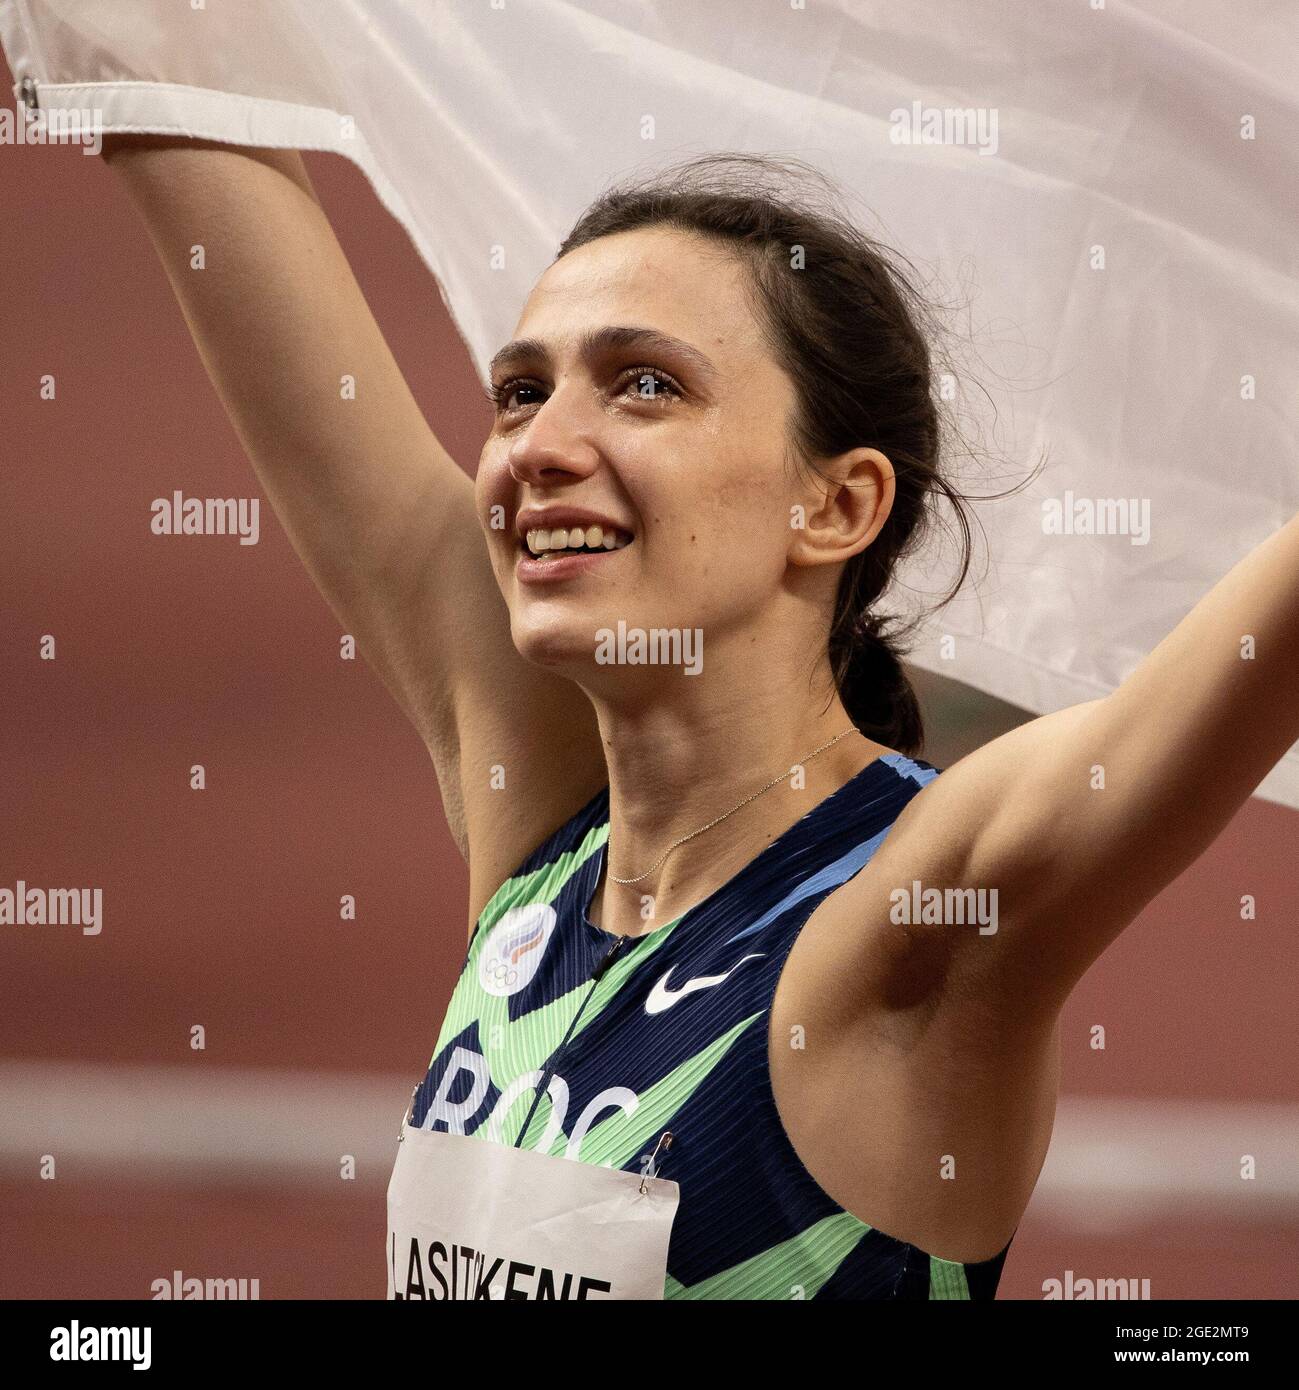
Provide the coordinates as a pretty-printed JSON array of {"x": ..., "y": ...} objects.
[{"x": 378, "y": 511}]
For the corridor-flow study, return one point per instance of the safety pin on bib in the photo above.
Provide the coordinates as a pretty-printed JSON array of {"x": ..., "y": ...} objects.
[
  {"x": 665, "y": 1142},
  {"x": 401, "y": 1133}
]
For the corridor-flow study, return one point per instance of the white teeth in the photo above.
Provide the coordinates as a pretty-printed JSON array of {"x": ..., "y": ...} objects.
[{"x": 540, "y": 541}]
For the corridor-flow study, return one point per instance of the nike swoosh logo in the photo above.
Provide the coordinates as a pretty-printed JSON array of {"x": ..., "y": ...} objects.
[{"x": 662, "y": 998}]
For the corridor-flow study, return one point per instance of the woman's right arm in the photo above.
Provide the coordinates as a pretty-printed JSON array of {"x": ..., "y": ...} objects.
[{"x": 378, "y": 511}]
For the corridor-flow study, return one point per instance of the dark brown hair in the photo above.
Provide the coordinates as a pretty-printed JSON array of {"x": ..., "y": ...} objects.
[{"x": 844, "y": 320}]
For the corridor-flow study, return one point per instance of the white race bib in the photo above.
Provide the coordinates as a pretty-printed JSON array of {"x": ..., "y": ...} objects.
[{"x": 470, "y": 1218}]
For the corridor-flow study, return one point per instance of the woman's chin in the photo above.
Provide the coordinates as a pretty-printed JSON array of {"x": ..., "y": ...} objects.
[{"x": 559, "y": 647}]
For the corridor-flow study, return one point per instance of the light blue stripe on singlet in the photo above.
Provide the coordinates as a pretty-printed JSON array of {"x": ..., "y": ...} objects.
[
  {"x": 900, "y": 763},
  {"x": 830, "y": 877},
  {"x": 844, "y": 867}
]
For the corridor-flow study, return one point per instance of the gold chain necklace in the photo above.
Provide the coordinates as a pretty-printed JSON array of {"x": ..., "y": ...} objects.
[{"x": 774, "y": 782}]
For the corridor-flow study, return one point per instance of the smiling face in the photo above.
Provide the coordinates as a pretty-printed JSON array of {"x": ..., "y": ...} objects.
[{"x": 645, "y": 402}]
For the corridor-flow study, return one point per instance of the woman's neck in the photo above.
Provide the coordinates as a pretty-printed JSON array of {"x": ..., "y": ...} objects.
[{"x": 670, "y": 775}]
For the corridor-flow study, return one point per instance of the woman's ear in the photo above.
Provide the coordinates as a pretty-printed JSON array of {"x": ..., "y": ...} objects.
[{"x": 844, "y": 508}]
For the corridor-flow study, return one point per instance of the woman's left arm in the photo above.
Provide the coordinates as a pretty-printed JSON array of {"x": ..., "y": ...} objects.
[{"x": 1086, "y": 814}]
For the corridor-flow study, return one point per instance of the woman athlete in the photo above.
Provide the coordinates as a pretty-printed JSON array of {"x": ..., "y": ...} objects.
[{"x": 677, "y": 749}]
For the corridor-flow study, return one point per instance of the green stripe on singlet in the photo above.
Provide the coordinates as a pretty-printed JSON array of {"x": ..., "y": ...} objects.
[
  {"x": 947, "y": 1279},
  {"x": 620, "y": 1138},
  {"x": 514, "y": 1046},
  {"x": 523, "y": 1044},
  {"x": 796, "y": 1268},
  {"x": 542, "y": 885}
]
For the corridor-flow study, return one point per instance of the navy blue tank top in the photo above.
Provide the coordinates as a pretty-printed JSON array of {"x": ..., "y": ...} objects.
[{"x": 565, "y": 1038}]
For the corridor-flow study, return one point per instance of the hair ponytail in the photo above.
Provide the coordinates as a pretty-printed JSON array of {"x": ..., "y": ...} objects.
[{"x": 866, "y": 657}]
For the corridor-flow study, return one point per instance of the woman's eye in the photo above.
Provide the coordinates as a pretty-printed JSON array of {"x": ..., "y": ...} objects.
[
  {"x": 649, "y": 383},
  {"x": 501, "y": 396}
]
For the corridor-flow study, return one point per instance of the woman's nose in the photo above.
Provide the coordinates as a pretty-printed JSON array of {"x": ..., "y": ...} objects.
[{"x": 553, "y": 444}]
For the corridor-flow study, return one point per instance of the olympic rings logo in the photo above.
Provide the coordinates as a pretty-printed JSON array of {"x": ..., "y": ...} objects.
[
  {"x": 513, "y": 950},
  {"x": 501, "y": 973}
]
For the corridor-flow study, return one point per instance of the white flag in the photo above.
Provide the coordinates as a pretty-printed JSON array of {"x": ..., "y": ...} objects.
[{"x": 1109, "y": 187}]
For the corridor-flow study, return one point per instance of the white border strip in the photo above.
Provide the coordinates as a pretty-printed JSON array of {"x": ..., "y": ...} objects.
[
  {"x": 1119, "y": 1163},
  {"x": 171, "y": 108},
  {"x": 197, "y": 1123},
  {"x": 1113, "y": 1164}
]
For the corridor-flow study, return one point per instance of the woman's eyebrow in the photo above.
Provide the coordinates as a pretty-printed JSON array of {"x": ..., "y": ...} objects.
[{"x": 603, "y": 340}]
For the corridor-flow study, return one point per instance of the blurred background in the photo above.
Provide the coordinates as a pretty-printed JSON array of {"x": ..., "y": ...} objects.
[{"x": 221, "y": 909}]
